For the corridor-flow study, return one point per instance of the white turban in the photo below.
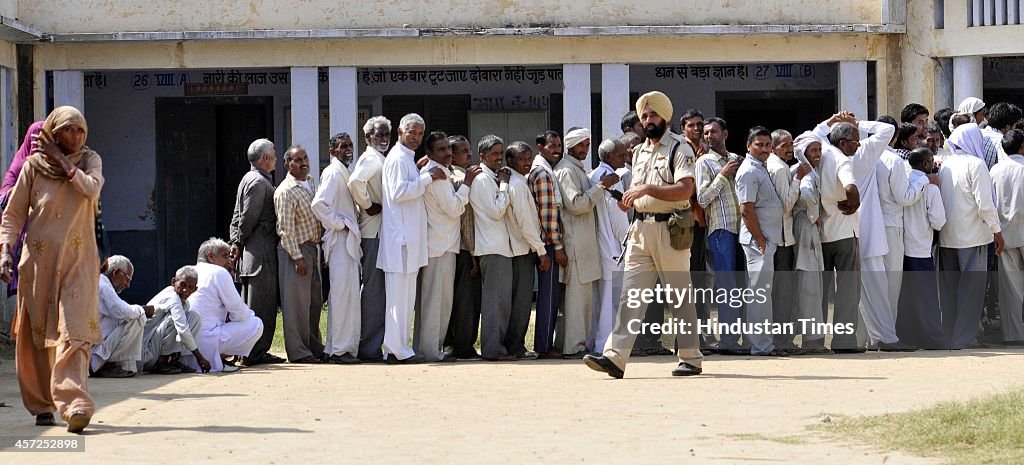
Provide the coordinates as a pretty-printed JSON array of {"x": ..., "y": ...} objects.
[
  {"x": 575, "y": 137},
  {"x": 970, "y": 106}
]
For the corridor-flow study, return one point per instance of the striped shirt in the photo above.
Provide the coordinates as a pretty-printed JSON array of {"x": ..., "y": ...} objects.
[
  {"x": 445, "y": 205},
  {"x": 296, "y": 223},
  {"x": 543, "y": 187},
  {"x": 717, "y": 193}
]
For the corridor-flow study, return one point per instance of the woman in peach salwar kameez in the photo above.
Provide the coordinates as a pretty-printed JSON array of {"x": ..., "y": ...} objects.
[{"x": 57, "y": 320}]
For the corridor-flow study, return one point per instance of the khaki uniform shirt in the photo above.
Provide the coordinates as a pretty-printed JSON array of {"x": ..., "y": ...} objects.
[{"x": 650, "y": 166}]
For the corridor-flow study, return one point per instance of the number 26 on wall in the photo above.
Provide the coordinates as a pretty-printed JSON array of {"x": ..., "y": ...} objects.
[{"x": 140, "y": 81}]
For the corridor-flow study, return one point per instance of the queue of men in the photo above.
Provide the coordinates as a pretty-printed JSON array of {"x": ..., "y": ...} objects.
[{"x": 435, "y": 251}]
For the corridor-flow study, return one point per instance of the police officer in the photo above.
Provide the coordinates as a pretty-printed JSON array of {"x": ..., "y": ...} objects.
[{"x": 658, "y": 241}]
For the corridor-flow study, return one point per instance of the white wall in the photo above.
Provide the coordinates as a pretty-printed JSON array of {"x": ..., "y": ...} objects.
[{"x": 68, "y": 16}]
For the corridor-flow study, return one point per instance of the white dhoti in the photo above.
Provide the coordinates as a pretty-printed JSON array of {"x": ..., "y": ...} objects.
[
  {"x": 160, "y": 337},
  {"x": 875, "y": 308},
  {"x": 400, "y": 298},
  {"x": 894, "y": 266},
  {"x": 123, "y": 345},
  {"x": 231, "y": 338},
  {"x": 606, "y": 301},
  {"x": 343, "y": 315}
]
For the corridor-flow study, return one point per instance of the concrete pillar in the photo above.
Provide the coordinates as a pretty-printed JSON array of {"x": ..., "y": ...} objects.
[
  {"x": 306, "y": 115},
  {"x": 853, "y": 87},
  {"x": 943, "y": 92},
  {"x": 576, "y": 99},
  {"x": 344, "y": 103},
  {"x": 69, "y": 89},
  {"x": 614, "y": 99},
  {"x": 967, "y": 80}
]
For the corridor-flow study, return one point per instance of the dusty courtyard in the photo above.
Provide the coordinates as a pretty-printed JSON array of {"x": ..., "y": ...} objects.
[{"x": 742, "y": 410}]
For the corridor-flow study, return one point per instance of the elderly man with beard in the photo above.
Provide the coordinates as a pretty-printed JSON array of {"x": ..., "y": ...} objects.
[
  {"x": 298, "y": 255},
  {"x": 656, "y": 243},
  {"x": 334, "y": 207},
  {"x": 365, "y": 187},
  {"x": 174, "y": 327},
  {"x": 579, "y": 221},
  {"x": 121, "y": 324}
]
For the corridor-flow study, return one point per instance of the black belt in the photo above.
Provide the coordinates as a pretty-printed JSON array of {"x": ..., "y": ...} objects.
[{"x": 659, "y": 217}]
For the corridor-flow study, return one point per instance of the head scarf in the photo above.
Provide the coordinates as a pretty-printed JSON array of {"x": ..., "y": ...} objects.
[
  {"x": 970, "y": 106},
  {"x": 575, "y": 137},
  {"x": 803, "y": 141},
  {"x": 658, "y": 102},
  {"x": 19, "y": 158},
  {"x": 967, "y": 139},
  {"x": 60, "y": 118}
]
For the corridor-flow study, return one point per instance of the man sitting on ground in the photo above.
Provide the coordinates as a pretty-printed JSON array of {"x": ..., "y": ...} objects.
[
  {"x": 121, "y": 324},
  {"x": 229, "y": 326},
  {"x": 173, "y": 328}
]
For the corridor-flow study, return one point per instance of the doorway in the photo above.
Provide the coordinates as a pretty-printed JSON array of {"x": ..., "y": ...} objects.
[
  {"x": 200, "y": 159},
  {"x": 794, "y": 111}
]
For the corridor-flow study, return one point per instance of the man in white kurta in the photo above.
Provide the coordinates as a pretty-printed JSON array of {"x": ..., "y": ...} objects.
[
  {"x": 334, "y": 207},
  {"x": 444, "y": 205},
  {"x": 895, "y": 191},
  {"x": 403, "y": 236},
  {"x": 229, "y": 326},
  {"x": 121, "y": 324},
  {"x": 874, "y": 296},
  {"x": 1008, "y": 179},
  {"x": 612, "y": 224},
  {"x": 174, "y": 327}
]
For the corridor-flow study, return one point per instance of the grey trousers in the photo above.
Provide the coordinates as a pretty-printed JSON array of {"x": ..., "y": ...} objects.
[
  {"x": 843, "y": 258},
  {"x": 122, "y": 345},
  {"x": 505, "y": 302},
  {"x": 809, "y": 297},
  {"x": 760, "y": 275},
  {"x": 301, "y": 301},
  {"x": 962, "y": 279},
  {"x": 261, "y": 294},
  {"x": 372, "y": 303},
  {"x": 784, "y": 293},
  {"x": 434, "y": 306},
  {"x": 1011, "y": 293},
  {"x": 577, "y": 308},
  {"x": 160, "y": 337}
]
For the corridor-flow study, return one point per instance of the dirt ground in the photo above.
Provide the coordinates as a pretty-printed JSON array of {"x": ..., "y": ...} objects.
[{"x": 742, "y": 410}]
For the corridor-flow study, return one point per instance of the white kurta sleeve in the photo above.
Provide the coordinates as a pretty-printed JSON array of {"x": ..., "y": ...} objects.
[
  {"x": 112, "y": 306},
  {"x": 450, "y": 201},
  {"x": 403, "y": 184},
  {"x": 871, "y": 148},
  {"x": 488, "y": 199},
  {"x": 982, "y": 190},
  {"x": 524, "y": 215},
  {"x": 936, "y": 211},
  {"x": 904, "y": 191},
  {"x": 359, "y": 183},
  {"x": 323, "y": 201},
  {"x": 236, "y": 308}
]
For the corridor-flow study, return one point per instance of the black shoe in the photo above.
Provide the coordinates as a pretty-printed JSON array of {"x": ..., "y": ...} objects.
[
  {"x": 392, "y": 360},
  {"x": 602, "y": 364},
  {"x": 265, "y": 359},
  {"x": 773, "y": 353},
  {"x": 895, "y": 347},
  {"x": 113, "y": 372},
  {"x": 686, "y": 369},
  {"x": 166, "y": 368},
  {"x": 734, "y": 352},
  {"x": 184, "y": 368},
  {"x": 637, "y": 353},
  {"x": 577, "y": 356},
  {"x": 343, "y": 359},
  {"x": 528, "y": 355},
  {"x": 501, "y": 358},
  {"x": 308, "y": 360},
  {"x": 45, "y": 419},
  {"x": 795, "y": 351},
  {"x": 850, "y": 350}
]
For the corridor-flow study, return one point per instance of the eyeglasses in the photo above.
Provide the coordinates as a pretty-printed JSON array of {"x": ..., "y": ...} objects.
[{"x": 126, "y": 276}]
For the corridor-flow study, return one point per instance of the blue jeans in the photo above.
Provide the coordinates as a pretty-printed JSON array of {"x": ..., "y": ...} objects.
[{"x": 723, "y": 246}]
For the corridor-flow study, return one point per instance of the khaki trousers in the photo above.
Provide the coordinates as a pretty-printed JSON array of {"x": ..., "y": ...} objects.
[
  {"x": 54, "y": 378},
  {"x": 648, "y": 257},
  {"x": 434, "y": 308}
]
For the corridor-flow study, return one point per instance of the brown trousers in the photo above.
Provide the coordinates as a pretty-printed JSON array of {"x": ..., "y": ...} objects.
[{"x": 54, "y": 378}]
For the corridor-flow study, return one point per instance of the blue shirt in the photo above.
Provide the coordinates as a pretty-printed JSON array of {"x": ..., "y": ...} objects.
[{"x": 754, "y": 184}]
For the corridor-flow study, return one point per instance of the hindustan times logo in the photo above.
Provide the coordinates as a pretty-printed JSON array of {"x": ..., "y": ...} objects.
[{"x": 676, "y": 296}]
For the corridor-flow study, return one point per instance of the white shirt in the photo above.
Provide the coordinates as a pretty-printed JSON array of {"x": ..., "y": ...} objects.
[
  {"x": 404, "y": 222},
  {"x": 490, "y": 204},
  {"x": 113, "y": 310},
  {"x": 895, "y": 190},
  {"x": 788, "y": 188},
  {"x": 366, "y": 189},
  {"x": 334, "y": 207},
  {"x": 216, "y": 300},
  {"x": 523, "y": 222},
  {"x": 971, "y": 217},
  {"x": 922, "y": 218},
  {"x": 445, "y": 205},
  {"x": 612, "y": 222},
  {"x": 167, "y": 302},
  {"x": 838, "y": 170},
  {"x": 1008, "y": 178}
]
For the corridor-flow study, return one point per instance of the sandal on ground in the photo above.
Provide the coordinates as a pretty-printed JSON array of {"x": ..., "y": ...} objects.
[{"x": 45, "y": 419}]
